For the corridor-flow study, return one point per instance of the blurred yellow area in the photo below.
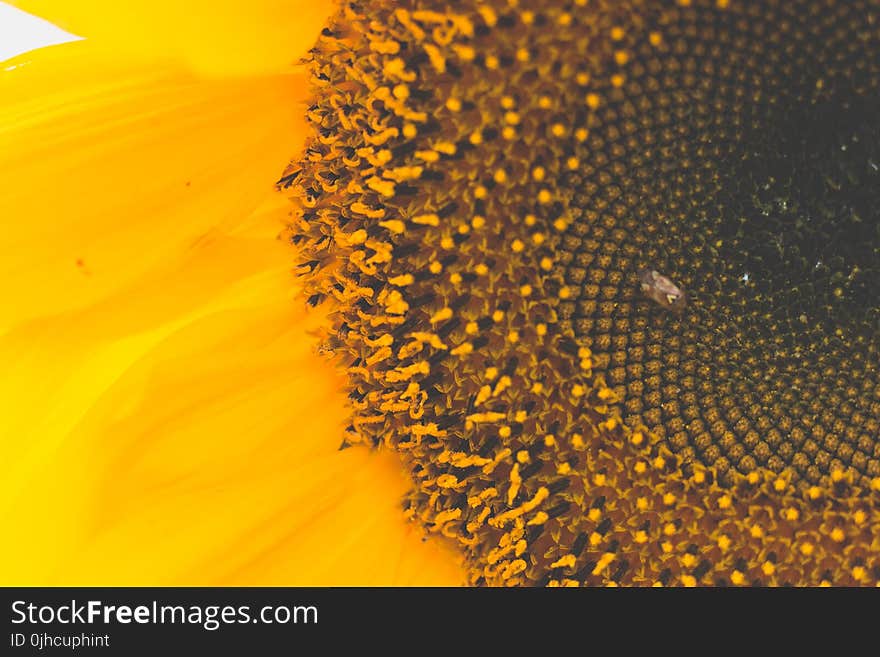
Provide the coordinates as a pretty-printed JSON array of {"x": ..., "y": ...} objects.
[{"x": 165, "y": 419}]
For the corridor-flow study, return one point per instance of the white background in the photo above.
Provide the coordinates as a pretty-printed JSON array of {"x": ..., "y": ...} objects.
[{"x": 21, "y": 32}]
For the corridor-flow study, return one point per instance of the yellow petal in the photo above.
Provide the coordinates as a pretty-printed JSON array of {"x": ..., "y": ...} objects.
[
  {"x": 104, "y": 174},
  {"x": 165, "y": 420},
  {"x": 225, "y": 37},
  {"x": 203, "y": 451}
]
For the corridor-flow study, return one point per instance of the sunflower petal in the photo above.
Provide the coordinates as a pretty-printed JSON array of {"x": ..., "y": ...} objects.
[
  {"x": 165, "y": 421},
  {"x": 106, "y": 174},
  {"x": 200, "y": 452},
  {"x": 213, "y": 38}
]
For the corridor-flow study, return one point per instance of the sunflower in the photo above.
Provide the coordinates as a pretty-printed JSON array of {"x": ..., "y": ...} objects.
[
  {"x": 486, "y": 189},
  {"x": 159, "y": 384},
  {"x": 480, "y": 187}
]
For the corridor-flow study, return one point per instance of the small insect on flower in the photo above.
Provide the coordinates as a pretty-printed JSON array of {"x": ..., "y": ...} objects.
[{"x": 661, "y": 290}]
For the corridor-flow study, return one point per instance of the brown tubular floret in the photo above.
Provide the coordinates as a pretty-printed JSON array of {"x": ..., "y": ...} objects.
[{"x": 484, "y": 184}]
